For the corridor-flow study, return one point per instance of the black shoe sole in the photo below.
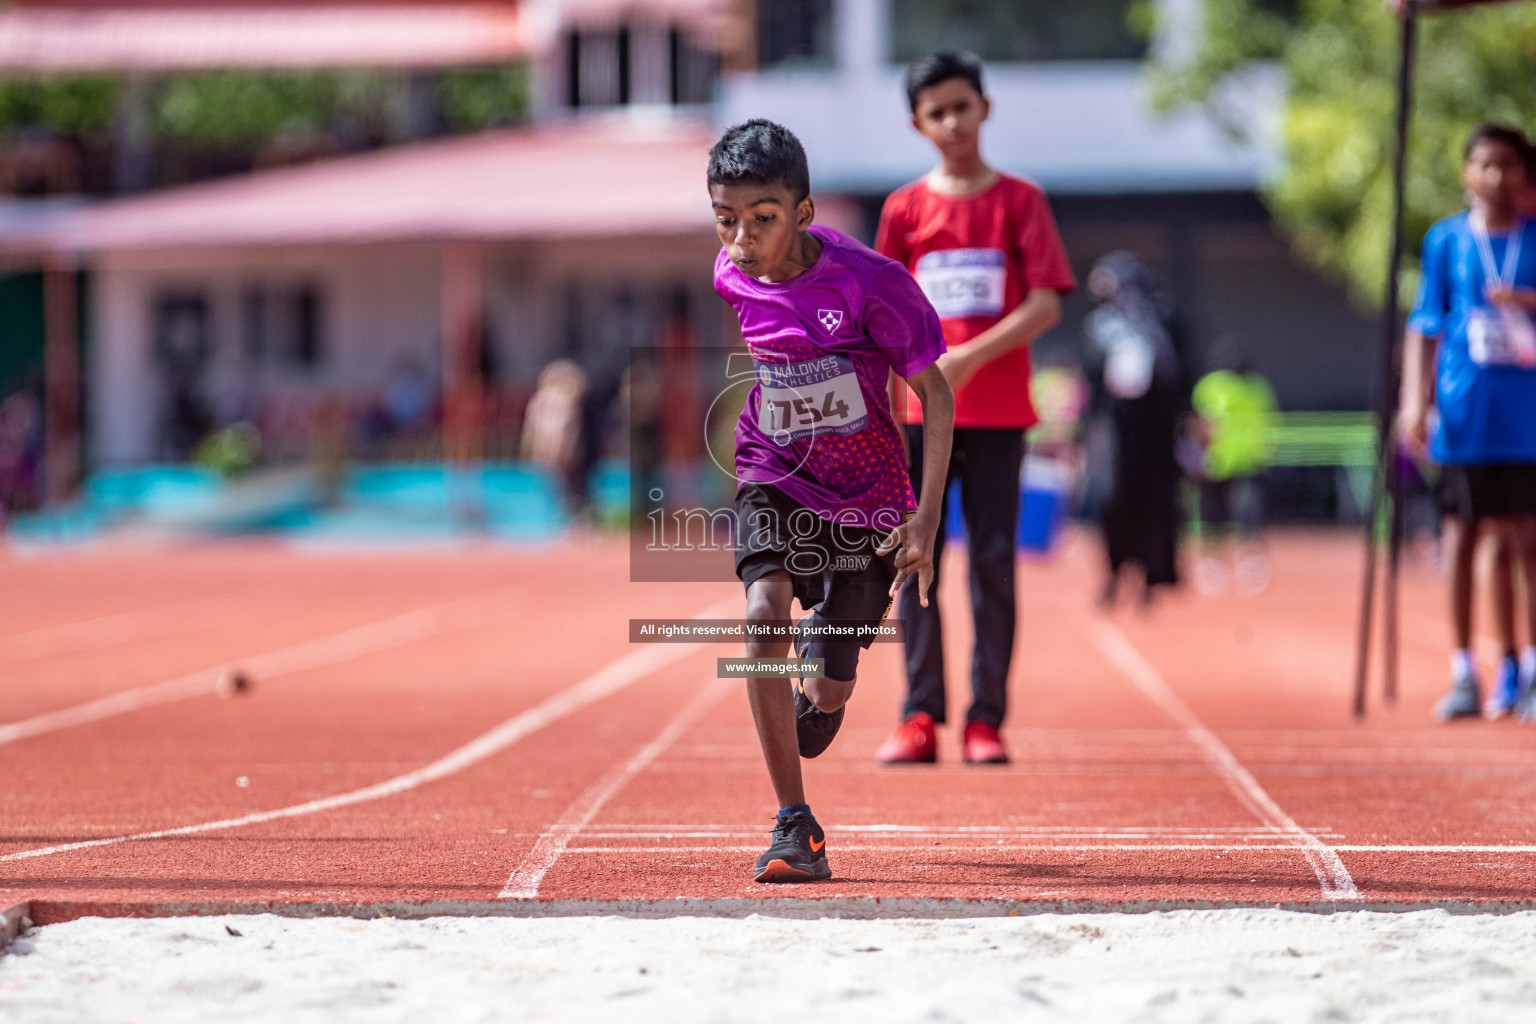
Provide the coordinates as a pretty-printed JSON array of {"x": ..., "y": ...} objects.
[
  {"x": 815, "y": 729},
  {"x": 779, "y": 870}
]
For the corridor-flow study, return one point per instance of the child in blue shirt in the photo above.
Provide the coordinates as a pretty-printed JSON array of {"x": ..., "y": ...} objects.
[{"x": 1469, "y": 390}]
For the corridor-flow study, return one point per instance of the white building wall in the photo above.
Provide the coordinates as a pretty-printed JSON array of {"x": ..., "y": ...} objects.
[
  {"x": 121, "y": 385},
  {"x": 378, "y": 305},
  {"x": 380, "y": 308},
  {"x": 384, "y": 307},
  {"x": 1085, "y": 126},
  {"x": 527, "y": 285}
]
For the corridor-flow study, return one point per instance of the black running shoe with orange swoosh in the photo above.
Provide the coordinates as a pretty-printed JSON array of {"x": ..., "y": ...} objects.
[
  {"x": 815, "y": 729},
  {"x": 798, "y": 852}
]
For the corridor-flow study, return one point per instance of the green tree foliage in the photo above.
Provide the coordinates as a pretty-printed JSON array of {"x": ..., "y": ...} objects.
[
  {"x": 78, "y": 107},
  {"x": 1332, "y": 193},
  {"x": 228, "y": 108},
  {"x": 232, "y": 109},
  {"x": 478, "y": 98}
]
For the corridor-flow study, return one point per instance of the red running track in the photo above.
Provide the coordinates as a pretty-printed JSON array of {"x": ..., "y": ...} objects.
[{"x": 472, "y": 725}]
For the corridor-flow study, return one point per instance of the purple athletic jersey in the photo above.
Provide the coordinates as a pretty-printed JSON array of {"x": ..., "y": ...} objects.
[{"x": 817, "y": 423}]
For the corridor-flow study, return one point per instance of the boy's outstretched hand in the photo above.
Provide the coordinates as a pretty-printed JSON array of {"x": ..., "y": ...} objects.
[{"x": 913, "y": 543}]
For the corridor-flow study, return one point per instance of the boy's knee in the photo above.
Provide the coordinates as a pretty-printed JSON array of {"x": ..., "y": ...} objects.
[
  {"x": 761, "y": 611},
  {"x": 1522, "y": 538},
  {"x": 1464, "y": 540},
  {"x": 828, "y": 703},
  {"x": 828, "y": 694},
  {"x": 768, "y": 599}
]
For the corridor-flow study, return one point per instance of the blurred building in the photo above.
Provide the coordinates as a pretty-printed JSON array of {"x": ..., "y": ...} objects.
[
  {"x": 480, "y": 258},
  {"x": 305, "y": 298},
  {"x": 1072, "y": 110},
  {"x": 586, "y": 232}
]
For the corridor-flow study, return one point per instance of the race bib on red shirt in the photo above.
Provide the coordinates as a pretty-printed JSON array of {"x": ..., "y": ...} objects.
[{"x": 963, "y": 282}]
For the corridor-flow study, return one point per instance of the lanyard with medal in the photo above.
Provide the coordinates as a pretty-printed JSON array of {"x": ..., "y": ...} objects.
[{"x": 1504, "y": 335}]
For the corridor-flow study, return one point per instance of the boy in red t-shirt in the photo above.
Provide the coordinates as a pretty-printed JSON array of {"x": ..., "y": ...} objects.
[{"x": 983, "y": 245}]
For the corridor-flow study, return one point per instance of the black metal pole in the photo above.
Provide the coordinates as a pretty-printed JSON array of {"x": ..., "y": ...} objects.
[
  {"x": 1392, "y": 359},
  {"x": 1387, "y": 383},
  {"x": 1368, "y": 593},
  {"x": 1397, "y": 527}
]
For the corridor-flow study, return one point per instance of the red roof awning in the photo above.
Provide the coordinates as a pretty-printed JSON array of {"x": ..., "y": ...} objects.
[
  {"x": 69, "y": 38},
  {"x": 591, "y": 180}
]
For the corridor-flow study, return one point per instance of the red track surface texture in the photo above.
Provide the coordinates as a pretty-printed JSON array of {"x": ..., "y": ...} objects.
[{"x": 473, "y": 725}]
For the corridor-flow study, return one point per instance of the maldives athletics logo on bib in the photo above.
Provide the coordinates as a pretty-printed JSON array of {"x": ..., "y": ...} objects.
[{"x": 831, "y": 319}]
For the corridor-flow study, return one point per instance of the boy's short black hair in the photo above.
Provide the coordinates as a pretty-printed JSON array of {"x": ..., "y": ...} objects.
[
  {"x": 932, "y": 68},
  {"x": 1493, "y": 131},
  {"x": 760, "y": 152}
]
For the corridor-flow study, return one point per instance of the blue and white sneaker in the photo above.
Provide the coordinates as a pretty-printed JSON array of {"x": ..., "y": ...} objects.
[
  {"x": 1463, "y": 700},
  {"x": 1525, "y": 704},
  {"x": 1506, "y": 690}
]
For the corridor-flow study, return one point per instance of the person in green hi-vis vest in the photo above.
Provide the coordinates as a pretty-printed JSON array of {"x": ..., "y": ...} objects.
[{"x": 1234, "y": 419}]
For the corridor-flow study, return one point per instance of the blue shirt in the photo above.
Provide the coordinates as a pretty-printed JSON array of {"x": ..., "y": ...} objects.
[{"x": 1486, "y": 412}]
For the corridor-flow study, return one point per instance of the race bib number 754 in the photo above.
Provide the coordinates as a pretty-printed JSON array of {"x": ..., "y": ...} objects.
[{"x": 816, "y": 396}]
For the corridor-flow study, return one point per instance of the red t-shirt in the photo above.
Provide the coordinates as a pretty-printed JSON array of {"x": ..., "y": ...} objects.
[{"x": 976, "y": 257}]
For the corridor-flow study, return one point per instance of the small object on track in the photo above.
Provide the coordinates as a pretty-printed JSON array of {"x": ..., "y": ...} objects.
[{"x": 232, "y": 683}]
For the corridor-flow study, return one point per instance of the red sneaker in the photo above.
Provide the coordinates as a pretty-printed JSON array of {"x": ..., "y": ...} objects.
[
  {"x": 915, "y": 741},
  {"x": 982, "y": 745}
]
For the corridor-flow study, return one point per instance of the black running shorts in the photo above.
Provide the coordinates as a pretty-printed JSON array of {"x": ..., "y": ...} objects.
[
  {"x": 1498, "y": 489},
  {"x": 834, "y": 569}
]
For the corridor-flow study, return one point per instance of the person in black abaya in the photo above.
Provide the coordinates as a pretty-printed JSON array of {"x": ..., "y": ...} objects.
[{"x": 1141, "y": 390}]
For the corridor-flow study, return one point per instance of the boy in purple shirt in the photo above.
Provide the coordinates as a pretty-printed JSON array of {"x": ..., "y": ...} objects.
[{"x": 824, "y": 508}]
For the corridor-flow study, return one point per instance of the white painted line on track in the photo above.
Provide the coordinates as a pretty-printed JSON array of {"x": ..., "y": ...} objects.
[
  {"x": 1026, "y": 835},
  {"x": 525, "y": 880},
  {"x": 610, "y": 679},
  {"x": 942, "y": 831},
  {"x": 1069, "y": 848},
  {"x": 1410, "y": 848},
  {"x": 461, "y": 613},
  {"x": 1331, "y": 873}
]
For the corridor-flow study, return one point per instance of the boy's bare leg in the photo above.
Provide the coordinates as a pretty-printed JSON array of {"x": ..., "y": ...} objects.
[
  {"x": 1523, "y": 537},
  {"x": 1501, "y": 586},
  {"x": 1464, "y": 699},
  {"x": 1461, "y": 538},
  {"x": 772, "y": 699}
]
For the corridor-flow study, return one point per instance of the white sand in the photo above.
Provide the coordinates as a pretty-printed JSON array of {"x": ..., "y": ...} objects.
[{"x": 1231, "y": 965}]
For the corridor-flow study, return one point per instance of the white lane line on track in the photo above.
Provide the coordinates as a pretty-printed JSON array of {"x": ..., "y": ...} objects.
[
  {"x": 461, "y": 613},
  {"x": 524, "y": 882},
  {"x": 938, "y": 831},
  {"x": 1068, "y": 848},
  {"x": 1238, "y": 836},
  {"x": 1332, "y": 875},
  {"x": 610, "y": 679}
]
